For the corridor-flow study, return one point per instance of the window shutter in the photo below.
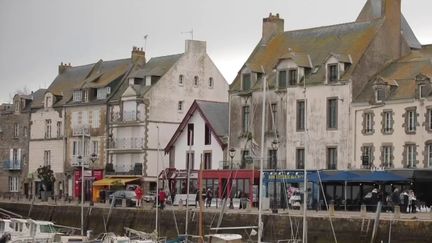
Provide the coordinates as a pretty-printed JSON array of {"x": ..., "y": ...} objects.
[
  {"x": 11, "y": 155},
  {"x": 19, "y": 155},
  {"x": 84, "y": 118},
  {"x": 95, "y": 119}
]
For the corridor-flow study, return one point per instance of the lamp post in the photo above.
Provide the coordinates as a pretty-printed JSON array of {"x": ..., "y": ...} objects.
[
  {"x": 93, "y": 158},
  {"x": 275, "y": 146},
  {"x": 231, "y": 155}
]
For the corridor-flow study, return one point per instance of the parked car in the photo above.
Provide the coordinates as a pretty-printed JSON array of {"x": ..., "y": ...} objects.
[
  {"x": 130, "y": 197},
  {"x": 150, "y": 197}
]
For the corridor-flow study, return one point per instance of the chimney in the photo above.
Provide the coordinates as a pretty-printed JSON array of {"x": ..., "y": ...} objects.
[
  {"x": 393, "y": 15},
  {"x": 272, "y": 25},
  {"x": 63, "y": 67},
  {"x": 138, "y": 55},
  {"x": 195, "y": 46}
]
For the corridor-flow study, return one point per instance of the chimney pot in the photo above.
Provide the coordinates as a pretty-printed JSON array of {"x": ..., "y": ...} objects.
[{"x": 272, "y": 26}]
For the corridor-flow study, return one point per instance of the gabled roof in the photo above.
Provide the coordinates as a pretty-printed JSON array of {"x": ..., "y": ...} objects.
[
  {"x": 215, "y": 115},
  {"x": 403, "y": 72},
  {"x": 344, "y": 39},
  {"x": 157, "y": 66}
]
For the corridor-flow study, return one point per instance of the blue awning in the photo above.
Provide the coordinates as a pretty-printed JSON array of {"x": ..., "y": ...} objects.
[
  {"x": 381, "y": 176},
  {"x": 344, "y": 176}
]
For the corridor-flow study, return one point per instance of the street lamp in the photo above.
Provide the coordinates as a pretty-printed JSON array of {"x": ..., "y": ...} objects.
[
  {"x": 232, "y": 152},
  {"x": 275, "y": 146}
]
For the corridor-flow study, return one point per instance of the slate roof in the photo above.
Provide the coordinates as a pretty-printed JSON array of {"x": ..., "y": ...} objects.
[
  {"x": 349, "y": 39},
  {"x": 38, "y": 98},
  {"x": 215, "y": 114},
  {"x": 401, "y": 75},
  {"x": 92, "y": 75},
  {"x": 156, "y": 66}
]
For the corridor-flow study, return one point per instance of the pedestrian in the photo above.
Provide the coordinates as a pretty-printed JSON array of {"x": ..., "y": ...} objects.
[
  {"x": 197, "y": 198},
  {"x": 405, "y": 198},
  {"x": 412, "y": 202},
  {"x": 374, "y": 199},
  {"x": 162, "y": 198},
  {"x": 138, "y": 195},
  {"x": 209, "y": 197},
  {"x": 395, "y": 198}
]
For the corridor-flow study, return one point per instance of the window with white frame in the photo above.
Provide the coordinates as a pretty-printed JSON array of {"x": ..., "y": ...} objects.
[
  {"x": 422, "y": 91},
  {"x": 101, "y": 93},
  {"x": 368, "y": 122},
  {"x": 332, "y": 113},
  {"x": 367, "y": 154},
  {"x": 16, "y": 130},
  {"x": 379, "y": 95},
  {"x": 59, "y": 129},
  {"x": 282, "y": 79},
  {"x": 332, "y": 158},
  {"x": 429, "y": 154},
  {"x": 387, "y": 156},
  {"x": 332, "y": 72},
  {"x": 77, "y": 96},
  {"x": 410, "y": 155},
  {"x": 292, "y": 77},
  {"x": 86, "y": 95},
  {"x": 388, "y": 122},
  {"x": 95, "y": 147},
  {"x": 13, "y": 183},
  {"x": 48, "y": 128},
  {"x": 429, "y": 116},
  {"x": 411, "y": 120},
  {"x": 47, "y": 158}
]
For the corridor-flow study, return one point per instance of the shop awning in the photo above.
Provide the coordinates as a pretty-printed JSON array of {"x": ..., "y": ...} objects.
[{"x": 114, "y": 181}]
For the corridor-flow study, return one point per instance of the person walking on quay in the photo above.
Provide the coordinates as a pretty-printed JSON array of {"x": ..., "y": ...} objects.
[
  {"x": 209, "y": 197},
  {"x": 395, "y": 198},
  {"x": 198, "y": 194},
  {"x": 412, "y": 202},
  {"x": 138, "y": 195},
  {"x": 162, "y": 198}
]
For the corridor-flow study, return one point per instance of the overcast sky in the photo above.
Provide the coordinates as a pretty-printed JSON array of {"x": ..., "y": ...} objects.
[{"x": 36, "y": 35}]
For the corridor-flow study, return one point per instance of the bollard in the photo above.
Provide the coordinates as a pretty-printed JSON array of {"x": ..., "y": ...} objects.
[
  {"x": 123, "y": 203},
  {"x": 331, "y": 210},
  {"x": 363, "y": 211},
  {"x": 397, "y": 213}
]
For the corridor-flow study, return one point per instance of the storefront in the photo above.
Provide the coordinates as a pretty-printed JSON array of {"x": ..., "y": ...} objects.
[
  {"x": 102, "y": 188},
  {"x": 89, "y": 177}
]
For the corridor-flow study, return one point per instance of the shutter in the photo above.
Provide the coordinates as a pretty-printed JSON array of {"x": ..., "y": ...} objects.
[
  {"x": 19, "y": 155},
  {"x": 11, "y": 155},
  {"x": 95, "y": 119},
  {"x": 84, "y": 118}
]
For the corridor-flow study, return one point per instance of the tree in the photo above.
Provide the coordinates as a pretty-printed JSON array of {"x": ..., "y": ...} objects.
[{"x": 46, "y": 175}]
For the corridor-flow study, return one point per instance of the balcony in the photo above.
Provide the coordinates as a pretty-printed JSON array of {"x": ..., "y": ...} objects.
[
  {"x": 123, "y": 169},
  {"x": 127, "y": 116},
  {"x": 127, "y": 143},
  {"x": 12, "y": 165}
]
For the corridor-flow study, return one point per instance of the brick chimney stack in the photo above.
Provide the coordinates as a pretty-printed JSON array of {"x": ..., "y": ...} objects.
[
  {"x": 63, "y": 67},
  {"x": 272, "y": 25},
  {"x": 393, "y": 15},
  {"x": 138, "y": 55}
]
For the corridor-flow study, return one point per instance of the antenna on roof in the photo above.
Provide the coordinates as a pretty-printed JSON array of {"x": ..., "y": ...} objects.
[
  {"x": 188, "y": 32},
  {"x": 145, "y": 42}
]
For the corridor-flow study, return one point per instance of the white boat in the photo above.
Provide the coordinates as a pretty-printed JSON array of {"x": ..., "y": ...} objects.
[{"x": 224, "y": 238}]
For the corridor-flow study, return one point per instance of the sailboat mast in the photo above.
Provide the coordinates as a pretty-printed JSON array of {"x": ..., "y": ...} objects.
[
  {"x": 157, "y": 183},
  {"x": 260, "y": 223},
  {"x": 305, "y": 194},
  {"x": 201, "y": 218},
  {"x": 188, "y": 165}
]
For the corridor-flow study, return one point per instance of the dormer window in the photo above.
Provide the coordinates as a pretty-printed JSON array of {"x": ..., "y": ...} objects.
[
  {"x": 422, "y": 91},
  {"x": 292, "y": 77},
  {"x": 282, "y": 84},
  {"x": 77, "y": 96},
  {"x": 48, "y": 101},
  {"x": 86, "y": 95},
  {"x": 332, "y": 72},
  {"x": 379, "y": 95},
  {"x": 246, "y": 81},
  {"x": 102, "y": 93}
]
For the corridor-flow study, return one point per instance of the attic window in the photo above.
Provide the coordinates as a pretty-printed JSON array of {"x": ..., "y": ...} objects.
[
  {"x": 292, "y": 77},
  {"x": 180, "y": 81},
  {"x": 422, "y": 91},
  {"x": 47, "y": 101},
  {"x": 332, "y": 72},
  {"x": 380, "y": 95},
  {"x": 210, "y": 83},
  {"x": 246, "y": 81},
  {"x": 282, "y": 84},
  {"x": 196, "y": 81},
  {"x": 102, "y": 93},
  {"x": 77, "y": 96}
]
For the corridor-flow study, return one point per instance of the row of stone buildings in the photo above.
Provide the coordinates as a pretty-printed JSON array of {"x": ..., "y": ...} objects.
[{"x": 350, "y": 96}]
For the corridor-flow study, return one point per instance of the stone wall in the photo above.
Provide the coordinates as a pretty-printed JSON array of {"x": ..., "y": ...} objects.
[{"x": 275, "y": 226}]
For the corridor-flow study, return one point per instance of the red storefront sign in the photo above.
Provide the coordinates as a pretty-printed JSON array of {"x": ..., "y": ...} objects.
[{"x": 92, "y": 175}]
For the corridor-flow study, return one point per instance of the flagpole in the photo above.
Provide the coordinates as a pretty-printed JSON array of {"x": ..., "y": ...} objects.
[{"x": 260, "y": 223}]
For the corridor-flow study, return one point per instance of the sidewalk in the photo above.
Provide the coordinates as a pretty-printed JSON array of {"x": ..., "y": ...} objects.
[{"x": 281, "y": 212}]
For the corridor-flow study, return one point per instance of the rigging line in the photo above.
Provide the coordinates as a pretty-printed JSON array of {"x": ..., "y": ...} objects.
[
  {"x": 172, "y": 203},
  {"x": 289, "y": 210},
  {"x": 325, "y": 201}
]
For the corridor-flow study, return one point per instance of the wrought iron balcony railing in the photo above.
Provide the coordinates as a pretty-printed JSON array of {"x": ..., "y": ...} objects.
[{"x": 12, "y": 165}]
